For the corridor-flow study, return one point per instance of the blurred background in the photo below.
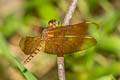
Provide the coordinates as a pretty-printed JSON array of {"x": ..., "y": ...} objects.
[{"x": 19, "y": 18}]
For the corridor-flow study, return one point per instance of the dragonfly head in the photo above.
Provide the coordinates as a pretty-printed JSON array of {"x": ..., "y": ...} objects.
[{"x": 53, "y": 23}]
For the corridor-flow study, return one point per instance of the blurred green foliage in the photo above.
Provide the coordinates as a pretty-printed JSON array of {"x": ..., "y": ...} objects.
[{"x": 101, "y": 62}]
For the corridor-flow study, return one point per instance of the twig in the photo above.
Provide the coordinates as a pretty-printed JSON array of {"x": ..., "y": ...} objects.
[
  {"x": 61, "y": 70},
  {"x": 60, "y": 60},
  {"x": 70, "y": 13}
]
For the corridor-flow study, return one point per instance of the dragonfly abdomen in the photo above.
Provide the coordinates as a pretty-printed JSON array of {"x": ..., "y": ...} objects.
[{"x": 36, "y": 51}]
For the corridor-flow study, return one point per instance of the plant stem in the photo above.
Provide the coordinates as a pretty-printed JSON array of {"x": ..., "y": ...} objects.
[
  {"x": 70, "y": 13},
  {"x": 61, "y": 71},
  {"x": 60, "y": 60}
]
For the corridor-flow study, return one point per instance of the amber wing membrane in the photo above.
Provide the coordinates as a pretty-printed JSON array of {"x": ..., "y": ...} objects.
[
  {"x": 72, "y": 30},
  {"x": 28, "y": 44},
  {"x": 67, "y": 45}
]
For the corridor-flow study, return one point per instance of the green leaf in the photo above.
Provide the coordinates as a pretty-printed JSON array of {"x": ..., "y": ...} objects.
[
  {"x": 108, "y": 77},
  {"x": 4, "y": 50}
]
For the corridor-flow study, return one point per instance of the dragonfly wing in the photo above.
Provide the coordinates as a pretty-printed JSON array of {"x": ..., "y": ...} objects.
[
  {"x": 28, "y": 44},
  {"x": 67, "y": 45},
  {"x": 73, "y": 30}
]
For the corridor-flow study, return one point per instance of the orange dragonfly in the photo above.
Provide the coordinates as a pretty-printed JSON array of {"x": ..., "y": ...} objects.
[{"x": 59, "y": 40}]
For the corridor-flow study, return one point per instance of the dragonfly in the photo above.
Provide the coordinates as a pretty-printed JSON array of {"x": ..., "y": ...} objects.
[{"x": 59, "y": 40}]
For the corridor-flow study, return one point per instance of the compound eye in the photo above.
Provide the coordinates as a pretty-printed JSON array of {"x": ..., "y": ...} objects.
[{"x": 52, "y": 23}]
